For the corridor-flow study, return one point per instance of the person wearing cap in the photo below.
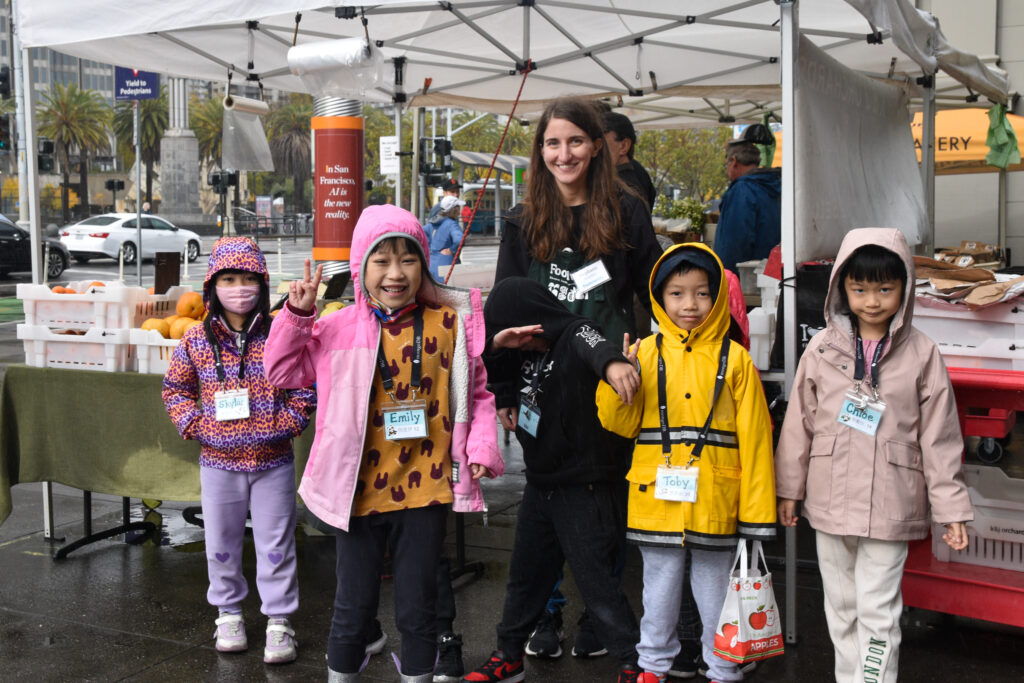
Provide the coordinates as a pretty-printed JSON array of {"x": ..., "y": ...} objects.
[
  {"x": 620, "y": 136},
  {"x": 445, "y": 234},
  {"x": 751, "y": 211},
  {"x": 451, "y": 188}
]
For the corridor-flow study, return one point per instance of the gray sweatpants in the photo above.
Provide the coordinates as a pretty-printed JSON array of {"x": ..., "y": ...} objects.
[{"x": 663, "y": 577}]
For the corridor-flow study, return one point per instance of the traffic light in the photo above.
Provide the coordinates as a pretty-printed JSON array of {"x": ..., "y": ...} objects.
[
  {"x": 220, "y": 181},
  {"x": 45, "y": 156},
  {"x": 5, "y": 133},
  {"x": 425, "y": 164},
  {"x": 443, "y": 150},
  {"x": 5, "y": 82}
]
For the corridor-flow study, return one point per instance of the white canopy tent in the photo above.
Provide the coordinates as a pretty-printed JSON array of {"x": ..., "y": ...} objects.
[{"x": 669, "y": 63}]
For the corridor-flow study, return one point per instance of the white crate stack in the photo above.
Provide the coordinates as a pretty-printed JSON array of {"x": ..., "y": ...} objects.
[
  {"x": 92, "y": 330},
  {"x": 991, "y": 337},
  {"x": 996, "y": 536}
]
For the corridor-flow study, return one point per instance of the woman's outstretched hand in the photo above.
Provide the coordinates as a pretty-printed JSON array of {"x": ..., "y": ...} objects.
[
  {"x": 302, "y": 293},
  {"x": 515, "y": 337}
]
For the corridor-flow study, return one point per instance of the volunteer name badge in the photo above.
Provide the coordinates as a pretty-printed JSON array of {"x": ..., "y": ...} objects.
[
  {"x": 405, "y": 421},
  {"x": 861, "y": 413},
  {"x": 592, "y": 275},
  {"x": 677, "y": 484},
  {"x": 231, "y": 404},
  {"x": 529, "y": 417}
]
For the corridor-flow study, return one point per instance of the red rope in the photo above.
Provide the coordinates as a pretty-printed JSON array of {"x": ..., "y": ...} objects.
[{"x": 494, "y": 160}]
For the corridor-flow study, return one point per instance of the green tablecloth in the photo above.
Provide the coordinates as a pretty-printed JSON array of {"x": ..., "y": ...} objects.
[{"x": 97, "y": 431}]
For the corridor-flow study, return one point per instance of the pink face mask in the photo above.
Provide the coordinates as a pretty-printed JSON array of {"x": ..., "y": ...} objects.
[{"x": 238, "y": 300}]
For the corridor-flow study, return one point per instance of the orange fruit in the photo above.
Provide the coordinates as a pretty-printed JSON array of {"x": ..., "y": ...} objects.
[
  {"x": 96, "y": 283},
  {"x": 63, "y": 290},
  {"x": 181, "y": 325},
  {"x": 190, "y": 305},
  {"x": 151, "y": 290},
  {"x": 159, "y": 325},
  {"x": 170, "y": 319}
]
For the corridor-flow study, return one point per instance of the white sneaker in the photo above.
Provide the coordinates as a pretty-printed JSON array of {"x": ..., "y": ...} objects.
[
  {"x": 281, "y": 642},
  {"x": 230, "y": 633}
]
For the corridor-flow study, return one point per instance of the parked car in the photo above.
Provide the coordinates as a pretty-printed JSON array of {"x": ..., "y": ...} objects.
[
  {"x": 16, "y": 251},
  {"x": 107, "y": 235}
]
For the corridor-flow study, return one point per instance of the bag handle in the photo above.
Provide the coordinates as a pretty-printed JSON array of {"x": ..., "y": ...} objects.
[{"x": 756, "y": 551}]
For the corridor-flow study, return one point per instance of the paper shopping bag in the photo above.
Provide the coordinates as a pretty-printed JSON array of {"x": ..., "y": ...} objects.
[{"x": 749, "y": 627}]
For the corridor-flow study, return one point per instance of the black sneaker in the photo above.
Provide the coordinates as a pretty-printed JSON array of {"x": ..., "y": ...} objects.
[
  {"x": 587, "y": 643},
  {"x": 702, "y": 667},
  {"x": 497, "y": 668},
  {"x": 685, "y": 663},
  {"x": 546, "y": 639},
  {"x": 449, "y": 667}
]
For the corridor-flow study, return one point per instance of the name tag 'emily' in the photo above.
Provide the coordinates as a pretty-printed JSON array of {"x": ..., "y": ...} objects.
[
  {"x": 861, "y": 413},
  {"x": 676, "y": 483},
  {"x": 231, "y": 404},
  {"x": 594, "y": 274},
  {"x": 405, "y": 420}
]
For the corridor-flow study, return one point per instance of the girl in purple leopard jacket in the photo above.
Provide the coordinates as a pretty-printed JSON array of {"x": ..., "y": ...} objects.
[{"x": 216, "y": 393}]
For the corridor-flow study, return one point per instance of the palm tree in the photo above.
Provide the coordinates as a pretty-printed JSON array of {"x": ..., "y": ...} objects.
[
  {"x": 288, "y": 132},
  {"x": 153, "y": 121},
  {"x": 74, "y": 119},
  {"x": 206, "y": 119}
]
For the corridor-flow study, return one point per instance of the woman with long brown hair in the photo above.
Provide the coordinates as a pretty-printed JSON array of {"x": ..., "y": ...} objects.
[{"x": 588, "y": 240}]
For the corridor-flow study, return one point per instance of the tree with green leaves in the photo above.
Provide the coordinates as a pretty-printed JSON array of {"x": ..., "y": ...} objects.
[
  {"x": 288, "y": 133},
  {"x": 74, "y": 119},
  {"x": 153, "y": 121},
  {"x": 692, "y": 159},
  {"x": 206, "y": 119}
]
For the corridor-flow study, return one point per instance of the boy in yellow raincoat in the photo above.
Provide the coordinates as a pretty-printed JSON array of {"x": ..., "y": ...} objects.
[{"x": 700, "y": 478}]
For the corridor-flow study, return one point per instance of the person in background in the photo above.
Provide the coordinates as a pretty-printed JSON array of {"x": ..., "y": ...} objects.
[
  {"x": 444, "y": 234},
  {"x": 449, "y": 188},
  {"x": 871, "y": 445},
  {"x": 750, "y": 221},
  {"x": 246, "y": 464},
  {"x": 620, "y": 136},
  {"x": 146, "y": 207}
]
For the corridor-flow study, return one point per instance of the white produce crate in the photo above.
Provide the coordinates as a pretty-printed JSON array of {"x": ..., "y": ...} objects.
[
  {"x": 152, "y": 351},
  {"x": 996, "y": 536},
  {"x": 991, "y": 337},
  {"x": 762, "y": 334},
  {"x": 748, "y": 272},
  {"x": 110, "y": 307},
  {"x": 97, "y": 349},
  {"x": 158, "y": 305},
  {"x": 770, "y": 291}
]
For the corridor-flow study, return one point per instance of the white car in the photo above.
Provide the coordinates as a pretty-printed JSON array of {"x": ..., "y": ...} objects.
[{"x": 107, "y": 235}]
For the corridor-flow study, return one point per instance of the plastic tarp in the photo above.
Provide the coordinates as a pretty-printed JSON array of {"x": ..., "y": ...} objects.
[
  {"x": 856, "y": 156},
  {"x": 717, "y": 62}
]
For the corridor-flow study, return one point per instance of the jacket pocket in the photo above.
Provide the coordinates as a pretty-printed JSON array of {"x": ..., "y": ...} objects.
[
  {"x": 904, "y": 482},
  {"x": 725, "y": 496},
  {"x": 642, "y": 503},
  {"x": 818, "y": 491}
]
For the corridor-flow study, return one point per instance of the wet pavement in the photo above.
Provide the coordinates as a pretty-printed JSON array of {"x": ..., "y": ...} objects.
[{"x": 113, "y": 611}]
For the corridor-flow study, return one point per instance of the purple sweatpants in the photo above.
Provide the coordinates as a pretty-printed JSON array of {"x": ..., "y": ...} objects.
[{"x": 226, "y": 498}]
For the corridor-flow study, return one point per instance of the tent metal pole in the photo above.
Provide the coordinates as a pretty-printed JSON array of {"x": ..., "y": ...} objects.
[
  {"x": 1002, "y": 212},
  {"x": 927, "y": 248},
  {"x": 398, "y": 146},
  {"x": 19, "y": 118},
  {"x": 31, "y": 167},
  {"x": 790, "y": 33}
]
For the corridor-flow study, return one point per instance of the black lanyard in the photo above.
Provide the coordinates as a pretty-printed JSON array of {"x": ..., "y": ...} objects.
[
  {"x": 417, "y": 354},
  {"x": 666, "y": 438},
  {"x": 218, "y": 363},
  {"x": 858, "y": 366}
]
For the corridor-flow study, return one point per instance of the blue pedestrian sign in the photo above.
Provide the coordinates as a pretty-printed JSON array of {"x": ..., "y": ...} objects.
[{"x": 132, "y": 84}]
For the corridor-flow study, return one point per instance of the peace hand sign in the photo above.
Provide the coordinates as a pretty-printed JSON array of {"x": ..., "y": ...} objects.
[{"x": 302, "y": 293}]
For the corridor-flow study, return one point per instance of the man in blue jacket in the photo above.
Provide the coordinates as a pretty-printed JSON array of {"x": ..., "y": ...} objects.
[{"x": 751, "y": 211}]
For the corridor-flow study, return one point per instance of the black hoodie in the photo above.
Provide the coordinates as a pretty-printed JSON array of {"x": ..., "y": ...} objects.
[{"x": 571, "y": 446}]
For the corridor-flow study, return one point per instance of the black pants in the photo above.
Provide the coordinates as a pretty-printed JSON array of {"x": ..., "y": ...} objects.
[
  {"x": 414, "y": 538},
  {"x": 580, "y": 525}
]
